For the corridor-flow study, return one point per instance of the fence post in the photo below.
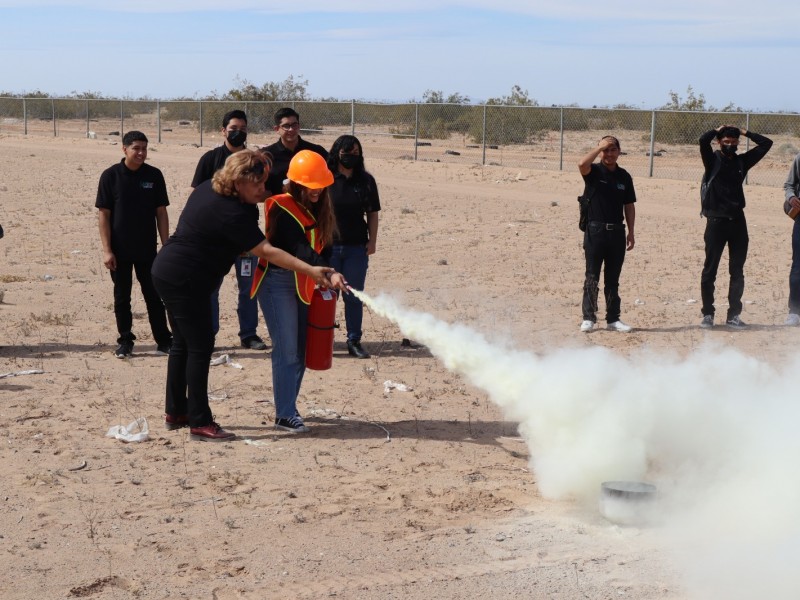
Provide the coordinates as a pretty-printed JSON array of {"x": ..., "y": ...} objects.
[
  {"x": 416, "y": 129},
  {"x": 24, "y": 116},
  {"x": 53, "y": 110},
  {"x": 87, "y": 118},
  {"x": 158, "y": 119},
  {"x": 200, "y": 119},
  {"x": 483, "y": 133},
  {"x": 561, "y": 143},
  {"x": 652, "y": 140},
  {"x": 352, "y": 117}
]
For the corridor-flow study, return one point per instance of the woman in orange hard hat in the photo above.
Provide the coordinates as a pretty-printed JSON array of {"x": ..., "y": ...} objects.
[
  {"x": 302, "y": 223},
  {"x": 219, "y": 222}
]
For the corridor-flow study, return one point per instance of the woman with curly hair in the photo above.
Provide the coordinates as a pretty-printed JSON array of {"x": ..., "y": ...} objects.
[{"x": 219, "y": 222}]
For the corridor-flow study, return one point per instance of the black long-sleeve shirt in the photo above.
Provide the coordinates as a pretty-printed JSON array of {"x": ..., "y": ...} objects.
[{"x": 726, "y": 192}]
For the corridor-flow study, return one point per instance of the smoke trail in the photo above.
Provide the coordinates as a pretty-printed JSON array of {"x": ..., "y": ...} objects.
[{"x": 716, "y": 431}]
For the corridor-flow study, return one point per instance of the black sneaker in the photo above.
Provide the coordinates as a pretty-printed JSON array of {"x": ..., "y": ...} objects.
[
  {"x": 124, "y": 350},
  {"x": 254, "y": 343},
  {"x": 735, "y": 322},
  {"x": 707, "y": 322},
  {"x": 292, "y": 424},
  {"x": 163, "y": 349}
]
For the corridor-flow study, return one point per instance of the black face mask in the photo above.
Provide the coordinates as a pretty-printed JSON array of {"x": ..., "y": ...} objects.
[
  {"x": 237, "y": 138},
  {"x": 728, "y": 149},
  {"x": 351, "y": 161}
]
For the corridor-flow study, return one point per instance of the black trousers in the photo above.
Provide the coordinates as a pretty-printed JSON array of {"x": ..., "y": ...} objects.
[
  {"x": 719, "y": 232},
  {"x": 123, "y": 285},
  {"x": 604, "y": 249},
  {"x": 189, "y": 308}
]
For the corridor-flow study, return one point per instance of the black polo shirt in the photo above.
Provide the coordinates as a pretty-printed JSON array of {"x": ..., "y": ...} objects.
[
  {"x": 282, "y": 156},
  {"x": 211, "y": 162},
  {"x": 212, "y": 231},
  {"x": 610, "y": 190},
  {"x": 132, "y": 197},
  {"x": 352, "y": 198}
]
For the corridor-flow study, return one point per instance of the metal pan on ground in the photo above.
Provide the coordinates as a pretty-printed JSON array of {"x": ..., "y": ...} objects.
[{"x": 628, "y": 502}]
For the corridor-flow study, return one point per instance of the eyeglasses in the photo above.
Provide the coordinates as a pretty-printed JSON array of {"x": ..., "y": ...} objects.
[{"x": 290, "y": 126}]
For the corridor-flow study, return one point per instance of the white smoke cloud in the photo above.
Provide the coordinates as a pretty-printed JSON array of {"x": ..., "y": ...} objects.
[{"x": 716, "y": 431}]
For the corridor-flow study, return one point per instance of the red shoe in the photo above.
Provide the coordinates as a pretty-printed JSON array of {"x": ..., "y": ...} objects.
[
  {"x": 172, "y": 423},
  {"x": 210, "y": 433}
]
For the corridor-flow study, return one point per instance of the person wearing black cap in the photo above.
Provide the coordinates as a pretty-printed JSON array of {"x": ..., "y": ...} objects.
[{"x": 722, "y": 203}]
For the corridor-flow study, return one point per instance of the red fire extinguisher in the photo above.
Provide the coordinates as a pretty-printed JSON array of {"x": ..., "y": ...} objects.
[{"x": 319, "y": 336}]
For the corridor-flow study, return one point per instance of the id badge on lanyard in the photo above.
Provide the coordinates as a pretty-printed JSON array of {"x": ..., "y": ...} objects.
[{"x": 247, "y": 267}]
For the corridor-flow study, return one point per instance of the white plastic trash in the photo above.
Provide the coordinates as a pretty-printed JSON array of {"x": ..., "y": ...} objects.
[
  {"x": 389, "y": 385},
  {"x": 136, "y": 431}
]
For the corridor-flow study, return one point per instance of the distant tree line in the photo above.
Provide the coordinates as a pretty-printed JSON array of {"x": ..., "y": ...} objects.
[{"x": 515, "y": 118}]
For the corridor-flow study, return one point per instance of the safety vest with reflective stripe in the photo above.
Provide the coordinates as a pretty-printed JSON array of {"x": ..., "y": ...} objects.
[{"x": 304, "y": 284}]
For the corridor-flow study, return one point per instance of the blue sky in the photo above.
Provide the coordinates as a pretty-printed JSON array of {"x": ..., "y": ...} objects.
[{"x": 562, "y": 52}]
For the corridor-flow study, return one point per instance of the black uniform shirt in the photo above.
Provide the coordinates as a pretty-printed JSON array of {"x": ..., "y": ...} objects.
[
  {"x": 212, "y": 231},
  {"x": 281, "y": 157},
  {"x": 610, "y": 190},
  {"x": 211, "y": 162},
  {"x": 132, "y": 197},
  {"x": 726, "y": 194},
  {"x": 353, "y": 197}
]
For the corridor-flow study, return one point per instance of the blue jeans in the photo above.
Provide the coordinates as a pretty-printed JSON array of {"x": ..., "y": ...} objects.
[
  {"x": 794, "y": 274},
  {"x": 246, "y": 309},
  {"x": 286, "y": 318},
  {"x": 352, "y": 262}
]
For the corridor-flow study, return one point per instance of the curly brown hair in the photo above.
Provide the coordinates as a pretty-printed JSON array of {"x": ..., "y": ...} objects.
[{"x": 252, "y": 165}]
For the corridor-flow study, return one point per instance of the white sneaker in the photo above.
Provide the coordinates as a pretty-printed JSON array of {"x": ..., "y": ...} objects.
[
  {"x": 792, "y": 320},
  {"x": 619, "y": 326},
  {"x": 587, "y": 326}
]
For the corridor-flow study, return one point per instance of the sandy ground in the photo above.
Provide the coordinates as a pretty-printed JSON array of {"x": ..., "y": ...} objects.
[{"x": 422, "y": 494}]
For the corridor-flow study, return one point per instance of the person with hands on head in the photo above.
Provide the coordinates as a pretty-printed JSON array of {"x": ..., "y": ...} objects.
[
  {"x": 792, "y": 206},
  {"x": 302, "y": 223},
  {"x": 132, "y": 206},
  {"x": 722, "y": 203},
  {"x": 609, "y": 188},
  {"x": 218, "y": 223},
  {"x": 356, "y": 204}
]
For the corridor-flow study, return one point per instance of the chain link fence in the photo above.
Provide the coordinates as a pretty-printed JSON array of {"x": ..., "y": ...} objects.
[{"x": 656, "y": 143}]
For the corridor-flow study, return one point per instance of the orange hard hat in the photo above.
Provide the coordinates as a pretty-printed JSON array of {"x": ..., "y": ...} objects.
[{"x": 309, "y": 169}]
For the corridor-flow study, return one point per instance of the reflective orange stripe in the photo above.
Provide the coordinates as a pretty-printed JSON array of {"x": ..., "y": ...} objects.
[{"x": 303, "y": 283}]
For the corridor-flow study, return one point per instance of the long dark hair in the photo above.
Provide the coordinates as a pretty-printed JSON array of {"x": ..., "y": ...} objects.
[
  {"x": 322, "y": 210},
  {"x": 345, "y": 143}
]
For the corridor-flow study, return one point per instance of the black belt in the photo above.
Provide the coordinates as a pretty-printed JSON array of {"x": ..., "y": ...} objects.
[{"x": 607, "y": 226}]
